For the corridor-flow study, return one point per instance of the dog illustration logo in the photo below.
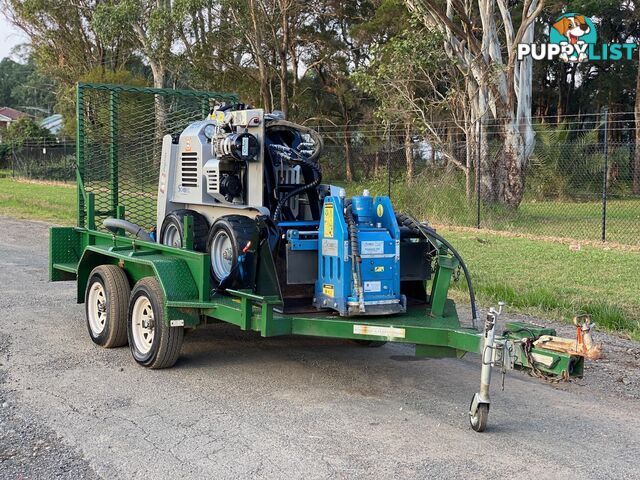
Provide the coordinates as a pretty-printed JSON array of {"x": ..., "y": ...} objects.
[{"x": 575, "y": 30}]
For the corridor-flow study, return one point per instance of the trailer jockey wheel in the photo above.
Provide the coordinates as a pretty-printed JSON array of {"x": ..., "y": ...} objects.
[
  {"x": 228, "y": 237},
  {"x": 153, "y": 342},
  {"x": 172, "y": 234},
  {"x": 478, "y": 421},
  {"x": 106, "y": 299}
]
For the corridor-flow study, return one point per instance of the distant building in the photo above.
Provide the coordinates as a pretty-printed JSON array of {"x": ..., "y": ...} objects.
[
  {"x": 8, "y": 115},
  {"x": 53, "y": 124}
]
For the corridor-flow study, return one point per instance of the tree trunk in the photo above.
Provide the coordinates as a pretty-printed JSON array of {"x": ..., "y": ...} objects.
[
  {"x": 347, "y": 152},
  {"x": 408, "y": 152},
  {"x": 262, "y": 66},
  {"x": 636, "y": 160},
  {"x": 376, "y": 163},
  {"x": 284, "y": 81}
]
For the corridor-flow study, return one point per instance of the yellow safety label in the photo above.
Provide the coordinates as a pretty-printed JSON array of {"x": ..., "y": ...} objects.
[
  {"x": 328, "y": 220},
  {"x": 328, "y": 290},
  {"x": 380, "y": 210},
  {"x": 379, "y": 269}
]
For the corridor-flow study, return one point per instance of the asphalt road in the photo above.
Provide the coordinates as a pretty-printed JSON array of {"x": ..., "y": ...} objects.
[{"x": 239, "y": 406}]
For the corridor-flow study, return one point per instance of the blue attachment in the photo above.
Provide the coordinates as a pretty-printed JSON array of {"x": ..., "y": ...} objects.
[
  {"x": 362, "y": 209},
  {"x": 379, "y": 244}
]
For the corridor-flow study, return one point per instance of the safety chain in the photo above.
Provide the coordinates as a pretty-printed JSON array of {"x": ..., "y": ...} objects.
[
  {"x": 456, "y": 273},
  {"x": 535, "y": 371}
]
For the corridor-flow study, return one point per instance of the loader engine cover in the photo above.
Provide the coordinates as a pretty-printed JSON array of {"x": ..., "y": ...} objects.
[{"x": 359, "y": 257}]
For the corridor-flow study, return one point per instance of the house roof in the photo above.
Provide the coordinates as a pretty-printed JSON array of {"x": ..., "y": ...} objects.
[
  {"x": 52, "y": 123},
  {"x": 11, "y": 113}
]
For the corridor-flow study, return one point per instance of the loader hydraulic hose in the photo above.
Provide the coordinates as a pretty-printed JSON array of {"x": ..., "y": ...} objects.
[
  {"x": 430, "y": 234},
  {"x": 317, "y": 178},
  {"x": 295, "y": 156},
  {"x": 355, "y": 252}
]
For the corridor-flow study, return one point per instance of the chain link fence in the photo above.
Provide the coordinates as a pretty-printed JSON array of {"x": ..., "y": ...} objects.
[{"x": 578, "y": 186}]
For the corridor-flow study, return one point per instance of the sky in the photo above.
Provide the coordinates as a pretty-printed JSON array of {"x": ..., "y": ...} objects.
[{"x": 9, "y": 37}]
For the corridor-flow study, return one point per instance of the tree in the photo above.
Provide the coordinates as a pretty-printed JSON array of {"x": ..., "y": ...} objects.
[
  {"x": 24, "y": 129},
  {"x": 414, "y": 84},
  {"x": 498, "y": 85},
  {"x": 147, "y": 25},
  {"x": 64, "y": 40}
]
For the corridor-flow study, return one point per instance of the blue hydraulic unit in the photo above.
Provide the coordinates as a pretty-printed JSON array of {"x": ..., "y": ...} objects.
[{"x": 359, "y": 257}]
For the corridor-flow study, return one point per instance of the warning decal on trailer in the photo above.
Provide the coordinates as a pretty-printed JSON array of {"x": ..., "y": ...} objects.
[
  {"x": 389, "y": 332},
  {"x": 328, "y": 220}
]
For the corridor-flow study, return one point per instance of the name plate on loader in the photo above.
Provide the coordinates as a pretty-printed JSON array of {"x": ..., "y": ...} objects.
[
  {"x": 389, "y": 332},
  {"x": 329, "y": 247}
]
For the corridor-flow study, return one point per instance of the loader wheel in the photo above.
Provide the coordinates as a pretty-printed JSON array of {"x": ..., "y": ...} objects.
[
  {"x": 229, "y": 235},
  {"x": 172, "y": 233},
  {"x": 153, "y": 343},
  {"x": 479, "y": 421},
  {"x": 106, "y": 299}
]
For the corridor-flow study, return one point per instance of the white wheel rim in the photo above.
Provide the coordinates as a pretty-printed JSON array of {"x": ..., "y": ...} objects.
[
  {"x": 221, "y": 255},
  {"x": 142, "y": 324},
  {"x": 172, "y": 236},
  {"x": 97, "y": 308}
]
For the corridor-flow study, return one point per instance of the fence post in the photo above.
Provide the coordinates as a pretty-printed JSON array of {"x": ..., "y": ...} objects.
[
  {"x": 113, "y": 149},
  {"x": 605, "y": 174},
  {"x": 478, "y": 147}
]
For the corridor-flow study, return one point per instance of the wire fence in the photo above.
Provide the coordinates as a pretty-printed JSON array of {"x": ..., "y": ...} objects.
[{"x": 581, "y": 182}]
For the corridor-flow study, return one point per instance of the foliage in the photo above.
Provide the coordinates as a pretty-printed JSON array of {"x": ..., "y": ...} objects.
[
  {"x": 24, "y": 129},
  {"x": 22, "y": 86}
]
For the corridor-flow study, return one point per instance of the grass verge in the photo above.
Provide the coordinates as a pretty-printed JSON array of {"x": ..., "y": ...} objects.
[
  {"x": 535, "y": 277},
  {"x": 551, "y": 279},
  {"x": 38, "y": 201}
]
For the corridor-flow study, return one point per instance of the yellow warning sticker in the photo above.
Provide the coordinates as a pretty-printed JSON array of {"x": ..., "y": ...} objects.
[
  {"x": 327, "y": 289},
  {"x": 328, "y": 220},
  {"x": 380, "y": 210},
  {"x": 220, "y": 116},
  {"x": 379, "y": 269}
]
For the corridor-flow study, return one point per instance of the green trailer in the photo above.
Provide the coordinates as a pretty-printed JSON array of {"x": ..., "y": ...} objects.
[{"x": 142, "y": 290}]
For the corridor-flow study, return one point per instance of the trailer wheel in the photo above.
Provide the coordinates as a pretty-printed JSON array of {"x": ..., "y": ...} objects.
[
  {"x": 172, "y": 233},
  {"x": 153, "y": 343},
  {"x": 228, "y": 236},
  {"x": 105, "y": 300},
  {"x": 479, "y": 421}
]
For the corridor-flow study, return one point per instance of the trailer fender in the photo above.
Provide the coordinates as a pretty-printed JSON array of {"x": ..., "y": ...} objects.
[{"x": 173, "y": 274}]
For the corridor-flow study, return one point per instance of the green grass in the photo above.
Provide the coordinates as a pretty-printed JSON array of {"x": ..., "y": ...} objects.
[
  {"x": 549, "y": 279},
  {"x": 38, "y": 201},
  {"x": 533, "y": 276},
  {"x": 440, "y": 198}
]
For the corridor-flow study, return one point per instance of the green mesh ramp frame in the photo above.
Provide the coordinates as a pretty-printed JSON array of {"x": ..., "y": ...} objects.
[{"x": 119, "y": 143}]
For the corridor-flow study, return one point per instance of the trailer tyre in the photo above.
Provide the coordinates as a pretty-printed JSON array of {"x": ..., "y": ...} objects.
[
  {"x": 172, "y": 231},
  {"x": 154, "y": 344},
  {"x": 228, "y": 236},
  {"x": 106, "y": 298}
]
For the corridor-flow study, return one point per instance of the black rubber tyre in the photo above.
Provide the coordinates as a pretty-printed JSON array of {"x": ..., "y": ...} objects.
[
  {"x": 163, "y": 349},
  {"x": 478, "y": 421},
  {"x": 240, "y": 230},
  {"x": 174, "y": 223},
  {"x": 106, "y": 298},
  {"x": 369, "y": 343}
]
